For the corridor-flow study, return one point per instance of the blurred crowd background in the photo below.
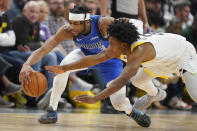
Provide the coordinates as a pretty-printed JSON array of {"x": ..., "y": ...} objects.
[{"x": 25, "y": 25}]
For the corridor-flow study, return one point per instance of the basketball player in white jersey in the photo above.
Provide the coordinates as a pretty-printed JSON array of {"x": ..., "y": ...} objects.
[{"x": 158, "y": 55}]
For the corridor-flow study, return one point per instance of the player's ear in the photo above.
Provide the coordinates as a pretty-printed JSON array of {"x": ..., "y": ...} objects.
[{"x": 124, "y": 45}]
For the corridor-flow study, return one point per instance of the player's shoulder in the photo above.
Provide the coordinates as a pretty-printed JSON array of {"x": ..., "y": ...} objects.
[
  {"x": 64, "y": 32},
  {"x": 65, "y": 27}
]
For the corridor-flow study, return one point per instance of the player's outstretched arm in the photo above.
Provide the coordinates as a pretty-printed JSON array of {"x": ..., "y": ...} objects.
[
  {"x": 49, "y": 45},
  {"x": 84, "y": 62},
  {"x": 134, "y": 62},
  {"x": 42, "y": 51}
]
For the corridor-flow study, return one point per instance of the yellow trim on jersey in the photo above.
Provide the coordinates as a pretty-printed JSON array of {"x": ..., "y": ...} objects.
[
  {"x": 148, "y": 72},
  {"x": 137, "y": 44},
  {"x": 123, "y": 58}
]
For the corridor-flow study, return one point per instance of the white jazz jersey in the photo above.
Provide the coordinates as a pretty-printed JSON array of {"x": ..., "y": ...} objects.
[{"x": 173, "y": 53}]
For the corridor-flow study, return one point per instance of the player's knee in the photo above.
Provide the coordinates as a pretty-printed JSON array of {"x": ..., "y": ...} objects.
[
  {"x": 137, "y": 83},
  {"x": 152, "y": 91},
  {"x": 65, "y": 61},
  {"x": 51, "y": 59},
  {"x": 194, "y": 97}
]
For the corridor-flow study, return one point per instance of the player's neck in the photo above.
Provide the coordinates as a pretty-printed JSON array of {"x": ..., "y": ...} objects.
[{"x": 127, "y": 52}]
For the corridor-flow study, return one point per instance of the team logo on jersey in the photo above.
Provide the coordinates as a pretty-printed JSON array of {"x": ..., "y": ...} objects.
[{"x": 79, "y": 39}]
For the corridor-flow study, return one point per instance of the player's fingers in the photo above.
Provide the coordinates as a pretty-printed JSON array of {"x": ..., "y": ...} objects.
[
  {"x": 82, "y": 99},
  {"x": 77, "y": 98},
  {"x": 51, "y": 71},
  {"x": 26, "y": 83},
  {"x": 22, "y": 76},
  {"x": 22, "y": 82},
  {"x": 49, "y": 67},
  {"x": 80, "y": 96},
  {"x": 28, "y": 78}
]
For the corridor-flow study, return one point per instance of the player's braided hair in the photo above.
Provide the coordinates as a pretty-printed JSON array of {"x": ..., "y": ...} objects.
[{"x": 123, "y": 31}]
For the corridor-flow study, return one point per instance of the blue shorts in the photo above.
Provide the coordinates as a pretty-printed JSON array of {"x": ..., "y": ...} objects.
[{"x": 110, "y": 69}]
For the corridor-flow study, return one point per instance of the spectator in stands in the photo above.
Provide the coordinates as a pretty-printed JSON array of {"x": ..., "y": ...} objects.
[
  {"x": 67, "y": 6},
  {"x": 191, "y": 32},
  {"x": 9, "y": 87},
  {"x": 44, "y": 30},
  {"x": 119, "y": 8},
  {"x": 7, "y": 38},
  {"x": 175, "y": 26},
  {"x": 193, "y": 7},
  {"x": 182, "y": 12},
  {"x": 78, "y": 2},
  {"x": 15, "y": 8},
  {"x": 155, "y": 14},
  {"x": 92, "y": 5}
]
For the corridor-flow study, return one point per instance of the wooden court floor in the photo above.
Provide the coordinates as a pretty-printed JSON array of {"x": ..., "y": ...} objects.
[{"x": 161, "y": 121}]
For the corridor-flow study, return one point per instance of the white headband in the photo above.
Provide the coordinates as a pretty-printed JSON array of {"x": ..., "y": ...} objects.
[{"x": 79, "y": 17}]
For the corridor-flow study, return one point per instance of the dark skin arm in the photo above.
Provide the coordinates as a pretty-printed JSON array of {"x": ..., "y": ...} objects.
[
  {"x": 134, "y": 61},
  {"x": 84, "y": 62}
]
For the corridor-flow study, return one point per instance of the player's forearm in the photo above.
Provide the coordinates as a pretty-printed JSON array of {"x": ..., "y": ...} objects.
[
  {"x": 85, "y": 62},
  {"x": 38, "y": 54},
  {"x": 35, "y": 57},
  {"x": 112, "y": 87}
]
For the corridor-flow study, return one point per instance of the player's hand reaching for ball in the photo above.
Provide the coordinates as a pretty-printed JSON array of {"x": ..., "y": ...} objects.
[
  {"x": 55, "y": 69},
  {"x": 85, "y": 99},
  {"x": 24, "y": 77}
]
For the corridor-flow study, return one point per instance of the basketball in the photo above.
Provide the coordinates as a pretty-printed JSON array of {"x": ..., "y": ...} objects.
[{"x": 37, "y": 86}]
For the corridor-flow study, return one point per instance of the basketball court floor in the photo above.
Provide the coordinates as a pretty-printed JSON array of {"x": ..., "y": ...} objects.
[{"x": 92, "y": 120}]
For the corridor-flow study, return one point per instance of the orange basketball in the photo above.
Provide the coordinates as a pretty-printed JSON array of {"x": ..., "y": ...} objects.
[{"x": 37, "y": 86}]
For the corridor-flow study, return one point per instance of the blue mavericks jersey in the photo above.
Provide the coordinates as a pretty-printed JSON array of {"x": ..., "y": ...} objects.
[{"x": 94, "y": 42}]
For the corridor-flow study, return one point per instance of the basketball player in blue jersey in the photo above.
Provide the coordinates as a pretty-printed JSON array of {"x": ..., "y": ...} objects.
[{"x": 90, "y": 34}]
